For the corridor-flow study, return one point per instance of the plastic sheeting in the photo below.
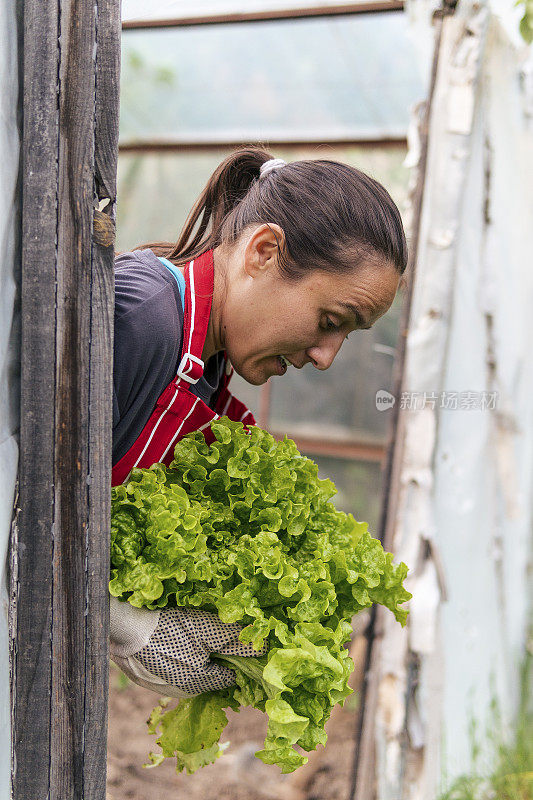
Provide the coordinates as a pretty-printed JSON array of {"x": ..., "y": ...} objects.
[
  {"x": 466, "y": 489},
  {"x": 9, "y": 346},
  {"x": 338, "y": 78}
]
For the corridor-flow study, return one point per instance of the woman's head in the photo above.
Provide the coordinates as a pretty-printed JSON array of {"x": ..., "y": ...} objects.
[
  {"x": 265, "y": 315},
  {"x": 315, "y": 233}
]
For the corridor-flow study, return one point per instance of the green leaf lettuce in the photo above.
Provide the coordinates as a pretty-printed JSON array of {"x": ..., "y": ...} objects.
[{"x": 245, "y": 528}]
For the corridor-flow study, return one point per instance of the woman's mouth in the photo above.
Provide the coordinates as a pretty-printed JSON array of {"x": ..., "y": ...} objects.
[{"x": 283, "y": 363}]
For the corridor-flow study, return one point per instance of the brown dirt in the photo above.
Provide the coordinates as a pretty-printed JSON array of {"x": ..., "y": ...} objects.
[{"x": 238, "y": 774}]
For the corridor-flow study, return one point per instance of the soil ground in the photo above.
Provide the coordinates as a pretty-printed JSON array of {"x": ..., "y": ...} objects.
[{"x": 238, "y": 774}]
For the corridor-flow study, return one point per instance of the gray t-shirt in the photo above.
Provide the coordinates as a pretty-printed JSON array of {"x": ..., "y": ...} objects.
[{"x": 147, "y": 345}]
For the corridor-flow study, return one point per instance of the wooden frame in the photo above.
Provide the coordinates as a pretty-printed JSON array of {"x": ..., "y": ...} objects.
[
  {"x": 205, "y": 144},
  {"x": 60, "y": 543},
  {"x": 291, "y": 12}
]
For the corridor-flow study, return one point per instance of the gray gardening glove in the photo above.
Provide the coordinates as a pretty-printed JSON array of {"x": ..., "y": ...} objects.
[{"x": 168, "y": 650}]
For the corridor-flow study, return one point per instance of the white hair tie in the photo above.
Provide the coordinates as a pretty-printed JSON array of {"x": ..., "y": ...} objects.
[{"x": 268, "y": 166}]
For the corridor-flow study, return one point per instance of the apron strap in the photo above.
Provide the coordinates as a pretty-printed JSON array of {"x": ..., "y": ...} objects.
[{"x": 199, "y": 282}]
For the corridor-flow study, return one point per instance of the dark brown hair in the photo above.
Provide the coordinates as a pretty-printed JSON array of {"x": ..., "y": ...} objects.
[{"x": 332, "y": 215}]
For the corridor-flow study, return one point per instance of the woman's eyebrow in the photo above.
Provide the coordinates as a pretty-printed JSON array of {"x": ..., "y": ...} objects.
[{"x": 359, "y": 321}]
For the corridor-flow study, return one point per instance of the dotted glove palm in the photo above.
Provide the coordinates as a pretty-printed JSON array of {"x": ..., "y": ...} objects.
[{"x": 168, "y": 650}]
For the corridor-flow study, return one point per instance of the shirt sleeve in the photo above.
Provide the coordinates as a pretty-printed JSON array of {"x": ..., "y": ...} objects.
[{"x": 147, "y": 343}]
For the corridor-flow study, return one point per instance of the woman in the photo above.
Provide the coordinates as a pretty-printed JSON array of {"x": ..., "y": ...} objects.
[{"x": 276, "y": 265}]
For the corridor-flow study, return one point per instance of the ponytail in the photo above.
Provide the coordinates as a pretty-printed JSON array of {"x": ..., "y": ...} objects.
[{"x": 226, "y": 187}]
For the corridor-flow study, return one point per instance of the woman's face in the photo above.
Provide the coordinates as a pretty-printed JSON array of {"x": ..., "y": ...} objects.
[{"x": 265, "y": 316}]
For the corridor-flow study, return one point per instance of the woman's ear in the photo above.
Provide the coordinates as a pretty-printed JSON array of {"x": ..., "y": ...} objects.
[{"x": 262, "y": 248}]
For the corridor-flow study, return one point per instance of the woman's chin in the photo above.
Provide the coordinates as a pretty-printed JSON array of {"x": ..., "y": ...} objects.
[{"x": 255, "y": 374}]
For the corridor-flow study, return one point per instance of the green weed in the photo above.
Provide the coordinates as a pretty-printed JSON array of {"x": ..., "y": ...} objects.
[{"x": 511, "y": 775}]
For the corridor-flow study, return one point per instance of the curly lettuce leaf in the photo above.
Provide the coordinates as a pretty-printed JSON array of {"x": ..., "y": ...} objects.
[
  {"x": 245, "y": 528},
  {"x": 190, "y": 732}
]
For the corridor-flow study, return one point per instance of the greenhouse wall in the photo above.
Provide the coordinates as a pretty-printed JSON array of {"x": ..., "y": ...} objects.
[
  {"x": 466, "y": 492},
  {"x": 484, "y": 461}
]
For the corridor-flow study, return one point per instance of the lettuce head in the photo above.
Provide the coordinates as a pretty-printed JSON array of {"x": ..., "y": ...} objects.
[{"x": 245, "y": 528}]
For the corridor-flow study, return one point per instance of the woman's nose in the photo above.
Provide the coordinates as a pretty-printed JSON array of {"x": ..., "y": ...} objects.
[{"x": 323, "y": 355}]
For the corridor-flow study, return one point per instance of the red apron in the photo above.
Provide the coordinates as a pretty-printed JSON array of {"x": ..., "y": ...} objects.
[{"x": 178, "y": 411}]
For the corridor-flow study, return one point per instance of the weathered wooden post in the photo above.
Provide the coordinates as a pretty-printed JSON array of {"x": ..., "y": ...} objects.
[{"x": 60, "y": 548}]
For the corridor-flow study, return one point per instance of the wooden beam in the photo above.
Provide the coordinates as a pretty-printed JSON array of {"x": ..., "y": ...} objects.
[
  {"x": 350, "y": 449},
  {"x": 32, "y": 543},
  {"x": 61, "y": 536},
  {"x": 343, "y": 9},
  {"x": 197, "y": 144},
  {"x": 102, "y": 305}
]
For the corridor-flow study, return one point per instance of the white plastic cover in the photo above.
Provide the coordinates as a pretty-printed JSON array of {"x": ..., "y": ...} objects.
[{"x": 466, "y": 490}]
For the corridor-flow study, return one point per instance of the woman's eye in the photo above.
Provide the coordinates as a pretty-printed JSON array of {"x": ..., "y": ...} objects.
[{"x": 331, "y": 326}]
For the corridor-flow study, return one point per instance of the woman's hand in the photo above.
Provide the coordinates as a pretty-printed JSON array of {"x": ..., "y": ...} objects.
[{"x": 168, "y": 651}]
